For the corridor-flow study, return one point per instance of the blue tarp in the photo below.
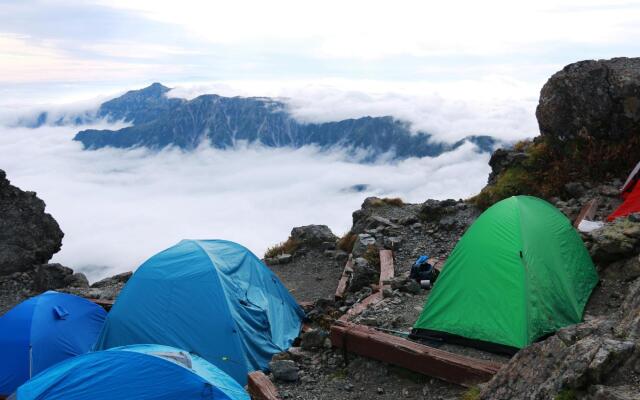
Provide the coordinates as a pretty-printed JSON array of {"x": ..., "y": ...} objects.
[
  {"x": 133, "y": 372},
  {"x": 42, "y": 331},
  {"x": 213, "y": 298}
]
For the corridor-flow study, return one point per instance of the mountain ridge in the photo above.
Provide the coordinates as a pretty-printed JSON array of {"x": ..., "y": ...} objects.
[{"x": 159, "y": 121}]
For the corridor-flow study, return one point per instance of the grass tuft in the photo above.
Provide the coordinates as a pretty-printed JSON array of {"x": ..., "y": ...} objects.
[
  {"x": 289, "y": 246},
  {"x": 471, "y": 394},
  {"x": 347, "y": 241}
]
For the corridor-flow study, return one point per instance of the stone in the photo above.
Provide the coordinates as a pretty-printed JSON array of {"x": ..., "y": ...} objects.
[
  {"x": 119, "y": 279},
  {"x": 313, "y": 235},
  {"x": 284, "y": 370},
  {"x": 283, "y": 258},
  {"x": 412, "y": 287},
  {"x": 78, "y": 280},
  {"x": 28, "y": 235},
  {"x": 574, "y": 189},
  {"x": 599, "y": 98},
  {"x": 362, "y": 243},
  {"x": 502, "y": 159},
  {"x": 392, "y": 242},
  {"x": 601, "y": 392},
  {"x": 51, "y": 276},
  {"x": 313, "y": 339},
  {"x": 363, "y": 275},
  {"x": 610, "y": 243}
]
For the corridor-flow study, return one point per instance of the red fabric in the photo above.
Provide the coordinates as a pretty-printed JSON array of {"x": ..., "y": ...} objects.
[{"x": 631, "y": 204}]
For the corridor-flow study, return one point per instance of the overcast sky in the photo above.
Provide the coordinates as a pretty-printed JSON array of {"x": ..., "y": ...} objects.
[{"x": 55, "y": 50}]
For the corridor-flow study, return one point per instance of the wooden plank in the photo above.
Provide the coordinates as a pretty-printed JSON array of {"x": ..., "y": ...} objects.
[
  {"x": 344, "y": 279},
  {"x": 360, "y": 307},
  {"x": 387, "y": 271},
  {"x": 588, "y": 211},
  {"x": 261, "y": 388},
  {"x": 450, "y": 367}
]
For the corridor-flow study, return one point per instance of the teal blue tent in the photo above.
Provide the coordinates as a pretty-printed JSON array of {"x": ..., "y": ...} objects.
[
  {"x": 142, "y": 372},
  {"x": 213, "y": 298}
]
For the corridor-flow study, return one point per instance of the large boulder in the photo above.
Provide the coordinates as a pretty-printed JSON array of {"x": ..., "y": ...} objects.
[
  {"x": 28, "y": 235},
  {"x": 600, "y": 99},
  {"x": 313, "y": 235}
]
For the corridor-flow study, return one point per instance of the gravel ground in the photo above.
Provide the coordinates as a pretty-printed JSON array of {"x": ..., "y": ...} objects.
[{"x": 311, "y": 276}]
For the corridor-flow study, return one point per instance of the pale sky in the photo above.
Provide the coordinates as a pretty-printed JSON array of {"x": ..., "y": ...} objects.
[
  {"x": 87, "y": 46},
  {"x": 453, "y": 68}
]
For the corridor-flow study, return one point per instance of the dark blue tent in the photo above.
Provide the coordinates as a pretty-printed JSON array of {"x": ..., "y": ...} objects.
[
  {"x": 42, "y": 331},
  {"x": 213, "y": 298},
  {"x": 133, "y": 372}
]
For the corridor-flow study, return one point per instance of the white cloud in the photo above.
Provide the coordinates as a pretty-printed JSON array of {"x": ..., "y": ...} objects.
[
  {"x": 374, "y": 29},
  {"x": 119, "y": 207}
]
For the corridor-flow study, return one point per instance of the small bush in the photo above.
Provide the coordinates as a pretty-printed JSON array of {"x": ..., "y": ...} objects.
[
  {"x": 287, "y": 247},
  {"x": 566, "y": 394},
  {"x": 393, "y": 201},
  {"x": 389, "y": 201},
  {"x": 550, "y": 165},
  {"x": 471, "y": 394},
  {"x": 347, "y": 241},
  {"x": 372, "y": 255}
]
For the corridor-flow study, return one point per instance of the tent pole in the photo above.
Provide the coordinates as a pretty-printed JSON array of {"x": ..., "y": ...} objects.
[{"x": 30, "y": 361}]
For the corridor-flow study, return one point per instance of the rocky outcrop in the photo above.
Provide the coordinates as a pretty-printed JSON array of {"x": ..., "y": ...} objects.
[
  {"x": 600, "y": 99},
  {"x": 313, "y": 235},
  {"x": 28, "y": 235}
]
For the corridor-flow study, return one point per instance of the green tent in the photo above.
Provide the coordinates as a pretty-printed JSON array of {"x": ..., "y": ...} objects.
[{"x": 519, "y": 273}]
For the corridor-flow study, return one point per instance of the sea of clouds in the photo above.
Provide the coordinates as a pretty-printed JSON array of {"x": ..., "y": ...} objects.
[{"x": 119, "y": 207}]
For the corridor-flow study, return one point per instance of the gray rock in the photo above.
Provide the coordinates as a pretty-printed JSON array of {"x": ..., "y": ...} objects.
[
  {"x": 284, "y": 370},
  {"x": 51, "y": 276},
  {"x": 392, "y": 242},
  {"x": 363, "y": 275},
  {"x": 313, "y": 235},
  {"x": 313, "y": 339},
  {"x": 574, "y": 189},
  {"x": 595, "y": 98},
  {"x": 119, "y": 279},
  {"x": 283, "y": 258},
  {"x": 78, "y": 280},
  {"x": 615, "y": 240},
  {"x": 601, "y": 392},
  {"x": 28, "y": 235},
  {"x": 361, "y": 244}
]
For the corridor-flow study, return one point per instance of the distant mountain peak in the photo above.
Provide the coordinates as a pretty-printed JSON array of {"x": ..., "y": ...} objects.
[{"x": 223, "y": 122}]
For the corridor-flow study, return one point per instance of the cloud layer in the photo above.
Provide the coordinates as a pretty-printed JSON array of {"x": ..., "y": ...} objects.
[{"x": 119, "y": 207}]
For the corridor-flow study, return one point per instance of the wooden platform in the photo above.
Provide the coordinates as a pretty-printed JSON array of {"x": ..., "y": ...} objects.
[
  {"x": 588, "y": 211},
  {"x": 450, "y": 367},
  {"x": 344, "y": 279},
  {"x": 261, "y": 388},
  {"x": 387, "y": 272}
]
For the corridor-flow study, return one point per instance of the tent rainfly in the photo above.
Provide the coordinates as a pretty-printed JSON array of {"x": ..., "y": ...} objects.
[
  {"x": 142, "y": 372},
  {"x": 42, "y": 331},
  {"x": 519, "y": 273},
  {"x": 213, "y": 298},
  {"x": 630, "y": 192}
]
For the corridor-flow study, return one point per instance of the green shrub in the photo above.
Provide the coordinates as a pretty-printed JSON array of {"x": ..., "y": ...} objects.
[
  {"x": 471, "y": 394},
  {"x": 566, "y": 394}
]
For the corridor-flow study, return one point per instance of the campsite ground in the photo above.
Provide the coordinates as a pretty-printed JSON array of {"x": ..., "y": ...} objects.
[{"x": 323, "y": 372}]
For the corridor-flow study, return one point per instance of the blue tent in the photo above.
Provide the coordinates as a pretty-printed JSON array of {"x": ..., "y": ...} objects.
[
  {"x": 42, "y": 331},
  {"x": 212, "y": 298},
  {"x": 133, "y": 372}
]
